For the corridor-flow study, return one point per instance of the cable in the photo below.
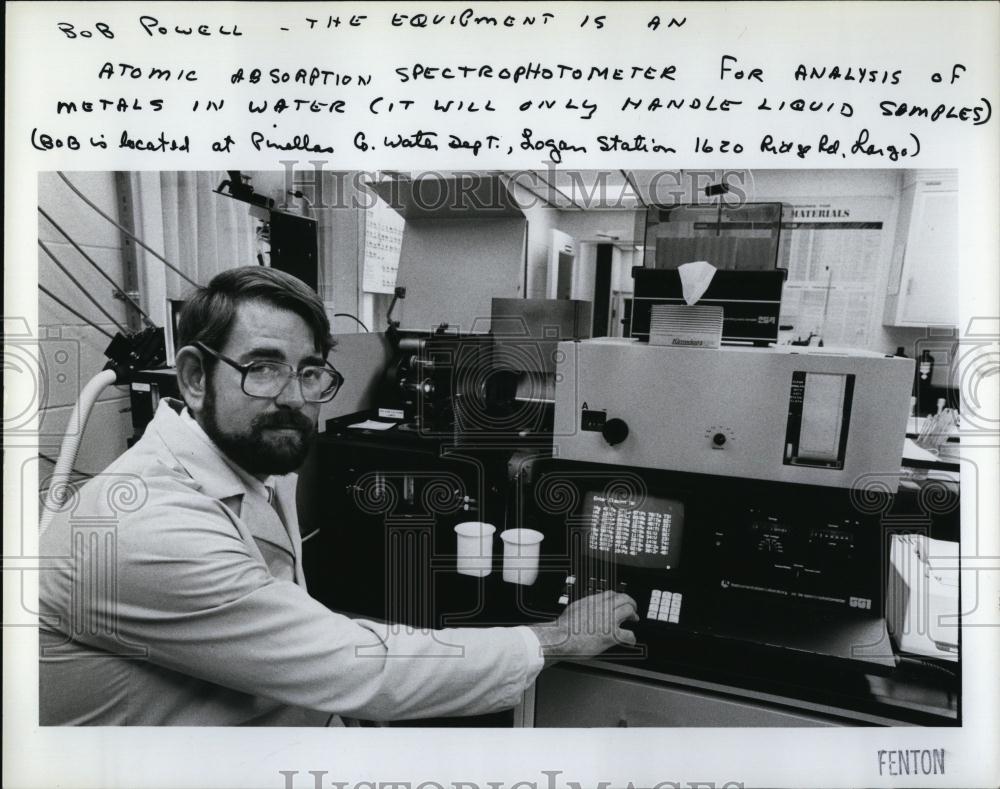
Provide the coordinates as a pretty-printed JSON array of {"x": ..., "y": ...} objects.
[
  {"x": 83, "y": 290},
  {"x": 65, "y": 306},
  {"x": 146, "y": 319},
  {"x": 129, "y": 233},
  {"x": 60, "y": 482},
  {"x": 348, "y": 315},
  {"x": 303, "y": 198},
  {"x": 907, "y": 660}
]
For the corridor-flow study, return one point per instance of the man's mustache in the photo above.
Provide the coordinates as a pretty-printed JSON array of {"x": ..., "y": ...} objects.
[{"x": 285, "y": 419}]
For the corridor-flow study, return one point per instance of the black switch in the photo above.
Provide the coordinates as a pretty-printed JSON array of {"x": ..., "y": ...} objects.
[{"x": 615, "y": 431}]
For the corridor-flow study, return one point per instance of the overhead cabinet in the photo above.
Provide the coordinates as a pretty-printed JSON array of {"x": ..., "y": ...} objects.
[{"x": 923, "y": 279}]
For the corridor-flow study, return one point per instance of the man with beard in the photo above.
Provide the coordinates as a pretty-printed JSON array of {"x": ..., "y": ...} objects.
[{"x": 174, "y": 591}]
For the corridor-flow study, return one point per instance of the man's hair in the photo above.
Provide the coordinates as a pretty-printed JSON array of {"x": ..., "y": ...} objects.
[{"x": 209, "y": 312}]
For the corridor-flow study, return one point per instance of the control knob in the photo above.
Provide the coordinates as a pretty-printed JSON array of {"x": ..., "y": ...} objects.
[
  {"x": 719, "y": 439},
  {"x": 615, "y": 431}
]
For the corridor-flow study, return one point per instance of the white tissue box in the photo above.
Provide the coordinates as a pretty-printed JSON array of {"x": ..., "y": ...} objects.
[{"x": 686, "y": 327}]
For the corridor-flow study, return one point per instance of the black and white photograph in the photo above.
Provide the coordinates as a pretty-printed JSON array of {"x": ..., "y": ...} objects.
[
  {"x": 501, "y": 395},
  {"x": 544, "y": 449}
]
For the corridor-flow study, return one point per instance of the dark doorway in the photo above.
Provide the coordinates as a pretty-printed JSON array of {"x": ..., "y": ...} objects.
[{"x": 602, "y": 290}]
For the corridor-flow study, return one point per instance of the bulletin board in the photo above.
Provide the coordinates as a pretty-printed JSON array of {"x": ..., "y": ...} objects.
[
  {"x": 383, "y": 241},
  {"x": 832, "y": 248}
]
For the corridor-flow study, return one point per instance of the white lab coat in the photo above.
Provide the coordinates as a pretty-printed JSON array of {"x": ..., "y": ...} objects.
[{"x": 179, "y": 600}]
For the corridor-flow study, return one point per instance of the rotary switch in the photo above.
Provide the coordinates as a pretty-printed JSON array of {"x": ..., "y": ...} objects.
[
  {"x": 718, "y": 436},
  {"x": 615, "y": 431}
]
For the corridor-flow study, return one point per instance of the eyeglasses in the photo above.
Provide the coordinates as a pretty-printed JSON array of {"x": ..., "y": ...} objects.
[{"x": 319, "y": 384}]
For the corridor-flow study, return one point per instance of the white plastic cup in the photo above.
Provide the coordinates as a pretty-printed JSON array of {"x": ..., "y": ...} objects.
[
  {"x": 475, "y": 548},
  {"x": 520, "y": 555}
]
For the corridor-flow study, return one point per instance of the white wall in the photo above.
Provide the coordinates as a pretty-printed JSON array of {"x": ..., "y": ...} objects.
[
  {"x": 604, "y": 226},
  {"x": 788, "y": 184}
]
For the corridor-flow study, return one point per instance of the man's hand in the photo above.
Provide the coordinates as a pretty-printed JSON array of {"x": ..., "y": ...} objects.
[{"x": 588, "y": 627}]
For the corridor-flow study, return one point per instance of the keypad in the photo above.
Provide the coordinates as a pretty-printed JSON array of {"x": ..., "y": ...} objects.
[{"x": 664, "y": 606}]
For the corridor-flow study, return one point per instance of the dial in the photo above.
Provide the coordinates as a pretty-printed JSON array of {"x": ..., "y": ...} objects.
[
  {"x": 615, "y": 431},
  {"x": 718, "y": 436}
]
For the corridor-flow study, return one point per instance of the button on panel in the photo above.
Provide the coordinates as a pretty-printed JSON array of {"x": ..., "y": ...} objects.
[{"x": 664, "y": 606}]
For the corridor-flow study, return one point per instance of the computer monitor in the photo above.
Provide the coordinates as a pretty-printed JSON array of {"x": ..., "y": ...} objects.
[{"x": 634, "y": 529}]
